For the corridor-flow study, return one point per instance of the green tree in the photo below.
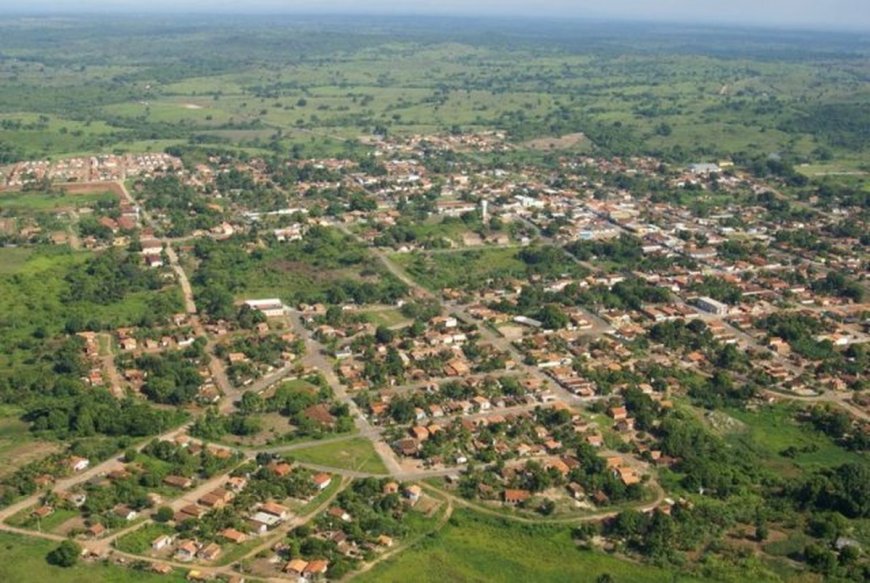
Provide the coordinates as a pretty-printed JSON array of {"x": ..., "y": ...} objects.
[{"x": 65, "y": 555}]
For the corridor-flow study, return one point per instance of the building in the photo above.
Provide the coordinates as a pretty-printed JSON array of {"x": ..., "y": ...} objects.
[
  {"x": 271, "y": 308},
  {"x": 712, "y": 306}
]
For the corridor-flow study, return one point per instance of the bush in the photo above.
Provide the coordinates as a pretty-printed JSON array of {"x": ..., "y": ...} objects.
[{"x": 65, "y": 555}]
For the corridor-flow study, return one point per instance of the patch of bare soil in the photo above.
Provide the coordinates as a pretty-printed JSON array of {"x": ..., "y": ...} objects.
[{"x": 565, "y": 142}]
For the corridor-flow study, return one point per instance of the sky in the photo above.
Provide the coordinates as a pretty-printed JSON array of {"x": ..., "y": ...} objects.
[{"x": 819, "y": 14}]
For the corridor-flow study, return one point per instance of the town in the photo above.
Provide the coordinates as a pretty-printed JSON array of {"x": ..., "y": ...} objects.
[{"x": 355, "y": 348}]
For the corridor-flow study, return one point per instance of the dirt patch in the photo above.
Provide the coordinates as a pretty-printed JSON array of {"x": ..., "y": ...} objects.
[
  {"x": 565, "y": 142},
  {"x": 511, "y": 332},
  {"x": 191, "y": 106},
  {"x": 73, "y": 524},
  {"x": 273, "y": 426},
  {"x": 92, "y": 188},
  {"x": 26, "y": 453}
]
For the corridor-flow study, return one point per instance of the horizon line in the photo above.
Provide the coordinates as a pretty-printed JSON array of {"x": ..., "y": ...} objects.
[{"x": 478, "y": 16}]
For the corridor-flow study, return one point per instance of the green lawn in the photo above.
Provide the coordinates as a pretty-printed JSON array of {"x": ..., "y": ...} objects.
[
  {"x": 353, "y": 454},
  {"x": 474, "y": 548},
  {"x": 22, "y": 560}
]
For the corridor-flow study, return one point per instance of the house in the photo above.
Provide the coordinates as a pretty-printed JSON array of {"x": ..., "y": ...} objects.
[
  {"x": 125, "y": 512},
  {"x": 320, "y": 414},
  {"x": 161, "y": 542},
  {"x": 258, "y": 527},
  {"x": 43, "y": 511},
  {"x": 322, "y": 481},
  {"x": 180, "y": 482},
  {"x": 296, "y": 567},
  {"x": 210, "y": 552},
  {"x": 186, "y": 550},
  {"x": 576, "y": 490},
  {"x": 339, "y": 513},
  {"x": 161, "y": 568},
  {"x": 514, "y": 497},
  {"x": 217, "y": 498},
  {"x": 419, "y": 432},
  {"x": 237, "y": 483},
  {"x": 234, "y": 536},
  {"x": 95, "y": 530},
  {"x": 280, "y": 469},
  {"x": 627, "y": 475},
  {"x": 618, "y": 413},
  {"x": 271, "y": 308},
  {"x": 78, "y": 464},
  {"x": 191, "y": 511},
  {"x": 385, "y": 541},
  {"x": 316, "y": 568},
  {"x": 595, "y": 440},
  {"x": 413, "y": 493},
  {"x": 277, "y": 510}
]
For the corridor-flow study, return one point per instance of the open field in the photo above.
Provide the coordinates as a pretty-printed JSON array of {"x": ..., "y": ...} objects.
[
  {"x": 773, "y": 429},
  {"x": 23, "y": 202},
  {"x": 353, "y": 454},
  {"x": 563, "y": 88},
  {"x": 472, "y": 268},
  {"x": 17, "y": 445},
  {"x": 473, "y": 548},
  {"x": 386, "y": 317},
  {"x": 23, "y": 559}
]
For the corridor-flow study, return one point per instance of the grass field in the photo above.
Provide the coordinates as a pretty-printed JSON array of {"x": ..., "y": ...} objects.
[
  {"x": 386, "y": 317},
  {"x": 139, "y": 541},
  {"x": 17, "y": 445},
  {"x": 25, "y": 519},
  {"x": 23, "y": 202},
  {"x": 473, "y": 548},
  {"x": 772, "y": 429},
  {"x": 455, "y": 270},
  {"x": 353, "y": 454},
  {"x": 12, "y": 259},
  {"x": 22, "y": 560}
]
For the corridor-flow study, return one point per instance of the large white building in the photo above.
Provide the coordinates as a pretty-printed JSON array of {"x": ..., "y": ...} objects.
[
  {"x": 271, "y": 308},
  {"x": 712, "y": 306}
]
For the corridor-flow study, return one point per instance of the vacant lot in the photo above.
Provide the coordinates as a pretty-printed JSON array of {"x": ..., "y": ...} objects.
[
  {"x": 28, "y": 202},
  {"x": 352, "y": 454},
  {"x": 473, "y": 548}
]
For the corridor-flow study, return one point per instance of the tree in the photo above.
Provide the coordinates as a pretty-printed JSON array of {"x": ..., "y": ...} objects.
[
  {"x": 65, "y": 555},
  {"x": 163, "y": 514},
  {"x": 552, "y": 317}
]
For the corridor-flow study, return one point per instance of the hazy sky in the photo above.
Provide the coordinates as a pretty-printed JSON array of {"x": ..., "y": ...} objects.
[{"x": 854, "y": 14}]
